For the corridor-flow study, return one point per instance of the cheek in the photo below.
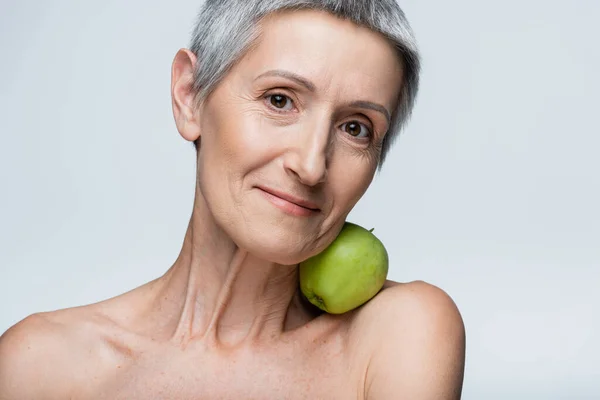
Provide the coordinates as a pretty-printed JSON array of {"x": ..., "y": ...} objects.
[
  {"x": 349, "y": 178},
  {"x": 243, "y": 138},
  {"x": 235, "y": 141}
]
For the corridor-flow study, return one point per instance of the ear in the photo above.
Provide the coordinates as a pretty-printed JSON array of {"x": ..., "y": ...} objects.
[{"x": 182, "y": 95}]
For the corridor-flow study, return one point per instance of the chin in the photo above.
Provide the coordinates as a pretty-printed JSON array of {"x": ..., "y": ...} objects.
[
  {"x": 277, "y": 234},
  {"x": 282, "y": 250},
  {"x": 280, "y": 246}
]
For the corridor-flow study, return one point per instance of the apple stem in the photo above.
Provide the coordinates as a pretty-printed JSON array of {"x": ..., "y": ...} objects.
[{"x": 371, "y": 230}]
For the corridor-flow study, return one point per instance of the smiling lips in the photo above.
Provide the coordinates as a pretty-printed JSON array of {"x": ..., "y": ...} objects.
[{"x": 290, "y": 204}]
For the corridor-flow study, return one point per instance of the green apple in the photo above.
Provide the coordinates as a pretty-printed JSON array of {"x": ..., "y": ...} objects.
[{"x": 348, "y": 273}]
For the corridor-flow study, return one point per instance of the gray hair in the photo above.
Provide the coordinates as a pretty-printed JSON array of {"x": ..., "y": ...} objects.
[{"x": 226, "y": 29}]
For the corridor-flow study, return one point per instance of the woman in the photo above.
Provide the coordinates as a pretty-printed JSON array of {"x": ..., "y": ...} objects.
[{"x": 292, "y": 106}]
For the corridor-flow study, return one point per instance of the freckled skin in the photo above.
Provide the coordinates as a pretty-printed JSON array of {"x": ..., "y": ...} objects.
[{"x": 226, "y": 320}]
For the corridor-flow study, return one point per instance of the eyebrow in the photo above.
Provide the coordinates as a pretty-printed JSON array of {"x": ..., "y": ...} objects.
[
  {"x": 311, "y": 87},
  {"x": 291, "y": 76},
  {"x": 372, "y": 106}
]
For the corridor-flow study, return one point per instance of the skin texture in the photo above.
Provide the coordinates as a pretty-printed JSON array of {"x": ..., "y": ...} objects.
[{"x": 226, "y": 321}]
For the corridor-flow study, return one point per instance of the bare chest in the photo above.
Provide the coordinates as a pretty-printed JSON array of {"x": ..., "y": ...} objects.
[{"x": 292, "y": 372}]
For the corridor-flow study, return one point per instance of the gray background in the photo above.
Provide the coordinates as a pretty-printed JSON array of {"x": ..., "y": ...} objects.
[{"x": 492, "y": 193}]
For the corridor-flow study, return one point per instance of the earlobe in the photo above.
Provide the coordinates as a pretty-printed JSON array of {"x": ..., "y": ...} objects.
[{"x": 182, "y": 94}]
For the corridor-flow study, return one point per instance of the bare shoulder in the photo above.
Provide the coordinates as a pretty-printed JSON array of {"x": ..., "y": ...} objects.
[
  {"x": 32, "y": 353},
  {"x": 408, "y": 306},
  {"x": 413, "y": 300},
  {"x": 416, "y": 345},
  {"x": 46, "y": 354}
]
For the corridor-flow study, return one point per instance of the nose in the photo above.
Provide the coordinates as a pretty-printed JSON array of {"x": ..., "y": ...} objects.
[{"x": 308, "y": 157}]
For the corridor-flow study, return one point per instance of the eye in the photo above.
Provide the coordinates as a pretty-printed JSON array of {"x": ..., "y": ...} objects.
[
  {"x": 356, "y": 129},
  {"x": 280, "y": 102}
]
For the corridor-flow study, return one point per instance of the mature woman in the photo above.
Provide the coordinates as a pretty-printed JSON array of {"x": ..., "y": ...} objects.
[{"x": 292, "y": 105}]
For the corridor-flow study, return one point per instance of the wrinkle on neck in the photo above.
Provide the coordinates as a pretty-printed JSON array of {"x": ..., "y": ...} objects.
[{"x": 222, "y": 295}]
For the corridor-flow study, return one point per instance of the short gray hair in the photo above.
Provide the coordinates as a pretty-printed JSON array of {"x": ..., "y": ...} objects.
[{"x": 226, "y": 29}]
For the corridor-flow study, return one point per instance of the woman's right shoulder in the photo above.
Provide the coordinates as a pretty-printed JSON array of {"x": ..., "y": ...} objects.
[
  {"x": 42, "y": 355},
  {"x": 33, "y": 354}
]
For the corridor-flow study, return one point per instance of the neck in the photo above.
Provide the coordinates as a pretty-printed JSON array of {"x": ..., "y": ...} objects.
[{"x": 220, "y": 293}]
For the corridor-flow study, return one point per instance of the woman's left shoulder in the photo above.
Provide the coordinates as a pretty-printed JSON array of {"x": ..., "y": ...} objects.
[
  {"x": 415, "y": 296},
  {"x": 413, "y": 333},
  {"x": 410, "y": 305}
]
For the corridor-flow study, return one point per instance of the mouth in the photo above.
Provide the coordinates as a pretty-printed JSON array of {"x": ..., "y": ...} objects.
[{"x": 289, "y": 203}]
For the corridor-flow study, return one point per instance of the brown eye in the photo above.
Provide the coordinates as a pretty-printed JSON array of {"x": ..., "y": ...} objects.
[
  {"x": 356, "y": 129},
  {"x": 280, "y": 101}
]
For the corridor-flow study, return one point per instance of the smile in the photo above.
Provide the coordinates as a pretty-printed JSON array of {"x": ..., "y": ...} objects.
[{"x": 290, "y": 204}]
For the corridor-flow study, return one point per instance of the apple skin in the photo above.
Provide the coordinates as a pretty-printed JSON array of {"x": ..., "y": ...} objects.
[{"x": 348, "y": 273}]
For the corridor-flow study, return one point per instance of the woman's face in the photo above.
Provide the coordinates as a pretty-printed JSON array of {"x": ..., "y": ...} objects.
[{"x": 290, "y": 139}]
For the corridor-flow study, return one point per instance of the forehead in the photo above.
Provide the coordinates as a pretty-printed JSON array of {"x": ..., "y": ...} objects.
[{"x": 338, "y": 56}]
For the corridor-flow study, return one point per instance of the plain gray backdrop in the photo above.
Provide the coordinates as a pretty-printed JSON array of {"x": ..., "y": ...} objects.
[{"x": 492, "y": 192}]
